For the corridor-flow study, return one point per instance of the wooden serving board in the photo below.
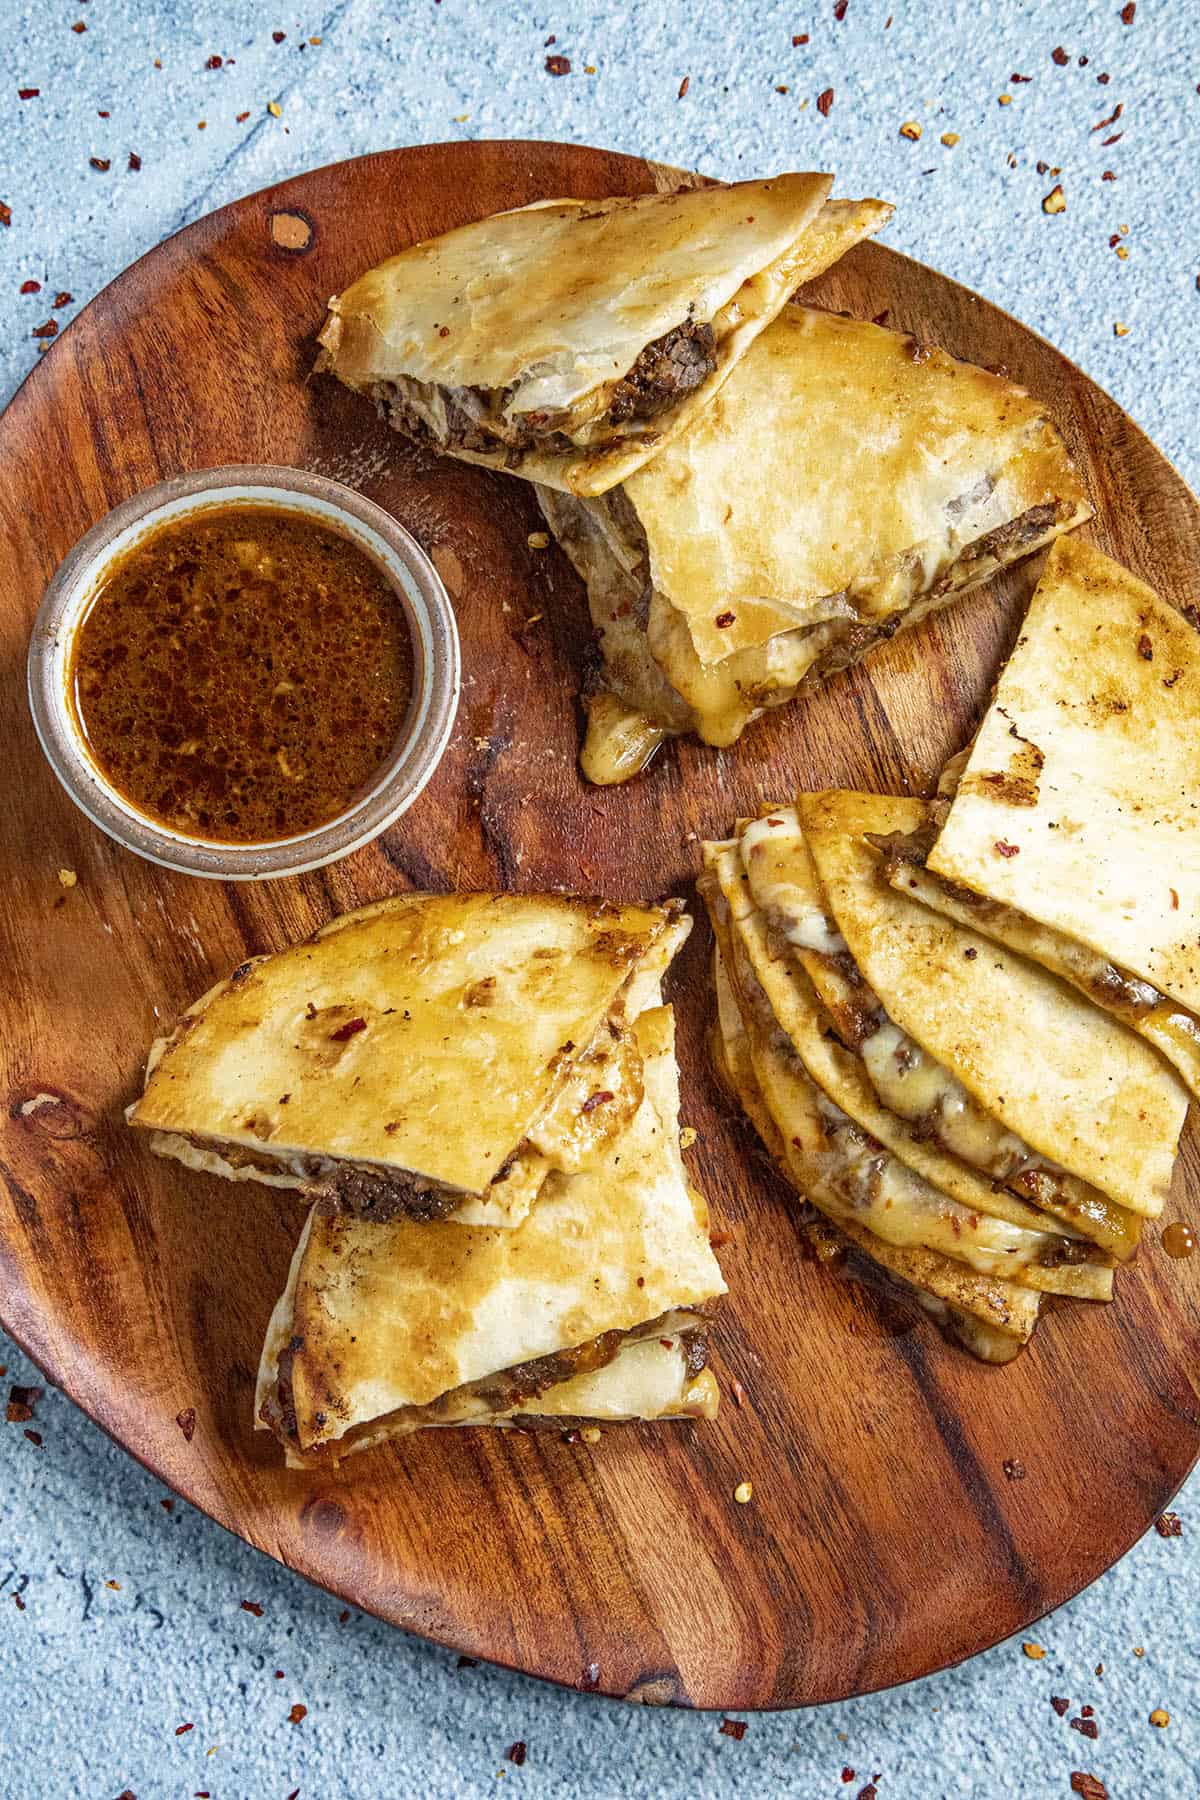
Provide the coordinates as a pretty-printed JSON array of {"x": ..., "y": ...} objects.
[{"x": 884, "y": 1540}]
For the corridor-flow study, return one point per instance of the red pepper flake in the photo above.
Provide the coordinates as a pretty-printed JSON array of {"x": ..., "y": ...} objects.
[
  {"x": 1059, "y": 56},
  {"x": 343, "y": 1616},
  {"x": 724, "y": 620},
  {"x": 1060, "y": 1704},
  {"x": 1014, "y": 1470},
  {"x": 825, "y": 102},
  {"x": 1145, "y": 647},
  {"x": 467, "y": 1662},
  {"x": 1127, "y": 13},
  {"x": 180, "y": 1729},
  {"x": 21, "y": 1402},
  {"x": 738, "y": 1391},
  {"x": 5, "y": 214},
  {"x": 1112, "y": 118},
  {"x": 1174, "y": 895},
  {"x": 516, "y": 1753},
  {"x": 1169, "y": 1526},
  {"x": 28, "y": 93},
  {"x": 279, "y": 1674},
  {"x": 870, "y": 1792},
  {"x": 1025, "y": 78},
  {"x": 294, "y": 1795},
  {"x": 1087, "y": 1728},
  {"x": 684, "y": 85},
  {"x": 1114, "y": 139},
  {"x": 1108, "y": 175},
  {"x": 297, "y": 1713},
  {"x": 718, "y": 1239},
  {"x": 348, "y": 1030},
  {"x": 103, "y": 163},
  {"x": 241, "y": 118},
  {"x": 167, "y": 1505},
  {"x": 20, "y": 1605},
  {"x": 802, "y": 38},
  {"x": 597, "y": 1099},
  {"x": 1089, "y": 1786},
  {"x": 252, "y": 1606},
  {"x": 278, "y": 36},
  {"x": 590, "y": 1679},
  {"x": 1003, "y": 849},
  {"x": 31, "y": 287},
  {"x": 847, "y": 1773},
  {"x": 734, "y": 1728},
  {"x": 186, "y": 1421},
  {"x": 79, "y": 26},
  {"x": 104, "y": 115},
  {"x": 63, "y": 299},
  {"x": 135, "y": 161},
  {"x": 48, "y": 330},
  {"x": 35, "y": 1437},
  {"x": 839, "y": 9},
  {"x": 214, "y": 62},
  {"x": 558, "y": 65},
  {"x": 1104, "y": 80},
  {"x": 1087, "y": 1712}
]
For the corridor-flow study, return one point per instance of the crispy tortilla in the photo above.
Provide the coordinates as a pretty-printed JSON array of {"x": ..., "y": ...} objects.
[
  {"x": 508, "y": 341},
  {"x": 456, "y": 1039},
  {"x": 886, "y": 1194},
  {"x": 1080, "y": 802},
  {"x": 883, "y": 480},
  {"x": 1066, "y": 1079},
  {"x": 803, "y": 965},
  {"x": 391, "y": 1327},
  {"x": 821, "y": 1160}
]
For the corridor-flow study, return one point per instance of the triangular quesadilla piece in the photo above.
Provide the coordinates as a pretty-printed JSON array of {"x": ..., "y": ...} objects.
[
  {"x": 433, "y": 1056},
  {"x": 1080, "y": 802},
  {"x": 1070, "y": 1264},
  {"x": 885, "y": 480},
  {"x": 818, "y": 1156},
  {"x": 888, "y": 1197},
  {"x": 569, "y": 340},
  {"x": 1064, "y": 1080},
  {"x": 388, "y": 1328}
]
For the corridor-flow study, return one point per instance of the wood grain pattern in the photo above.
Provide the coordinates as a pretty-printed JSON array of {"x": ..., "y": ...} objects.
[{"x": 883, "y": 1540}]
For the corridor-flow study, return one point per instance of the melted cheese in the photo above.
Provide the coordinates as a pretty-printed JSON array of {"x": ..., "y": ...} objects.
[
  {"x": 789, "y": 907},
  {"x": 911, "y": 1083}
]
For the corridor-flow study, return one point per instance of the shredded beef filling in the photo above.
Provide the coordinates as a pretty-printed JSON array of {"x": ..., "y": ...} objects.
[
  {"x": 672, "y": 366},
  {"x": 474, "y": 419},
  {"x": 386, "y": 1194}
]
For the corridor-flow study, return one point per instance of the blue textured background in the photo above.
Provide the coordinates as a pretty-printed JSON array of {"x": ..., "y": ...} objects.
[{"x": 130, "y": 1621}]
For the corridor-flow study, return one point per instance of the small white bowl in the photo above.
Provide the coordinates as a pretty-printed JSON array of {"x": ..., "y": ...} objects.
[{"x": 423, "y": 735}]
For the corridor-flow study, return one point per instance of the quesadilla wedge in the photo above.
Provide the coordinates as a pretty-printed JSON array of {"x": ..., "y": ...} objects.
[
  {"x": 895, "y": 1090},
  {"x": 1065, "y": 1262},
  {"x": 433, "y": 1056},
  {"x": 1074, "y": 833},
  {"x": 886, "y": 1195},
  {"x": 835, "y": 1168},
  {"x": 385, "y": 1329},
  {"x": 1066, "y": 1082},
  {"x": 900, "y": 1269},
  {"x": 569, "y": 340},
  {"x": 844, "y": 482}
]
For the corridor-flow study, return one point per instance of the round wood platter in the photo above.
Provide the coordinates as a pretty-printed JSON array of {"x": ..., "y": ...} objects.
[{"x": 884, "y": 1540}]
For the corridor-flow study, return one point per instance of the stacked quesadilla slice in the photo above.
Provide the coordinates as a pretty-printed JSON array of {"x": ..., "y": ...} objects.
[
  {"x": 842, "y": 483},
  {"x": 593, "y": 1307},
  {"x": 477, "y": 1095},
  {"x": 432, "y": 1056},
  {"x": 1072, "y": 831},
  {"x": 569, "y": 340},
  {"x": 927, "y": 1086}
]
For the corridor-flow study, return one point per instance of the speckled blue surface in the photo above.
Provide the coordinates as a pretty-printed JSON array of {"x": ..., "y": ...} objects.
[{"x": 130, "y": 1623}]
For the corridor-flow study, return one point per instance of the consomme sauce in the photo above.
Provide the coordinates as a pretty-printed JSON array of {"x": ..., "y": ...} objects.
[{"x": 241, "y": 673}]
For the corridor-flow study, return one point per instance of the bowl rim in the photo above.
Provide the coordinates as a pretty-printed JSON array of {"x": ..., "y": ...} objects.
[{"x": 400, "y": 778}]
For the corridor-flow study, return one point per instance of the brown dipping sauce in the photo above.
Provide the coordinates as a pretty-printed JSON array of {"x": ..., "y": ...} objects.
[
  {"x": 241, "y": 673},
  {"x": 1178, "y": 1240}
]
